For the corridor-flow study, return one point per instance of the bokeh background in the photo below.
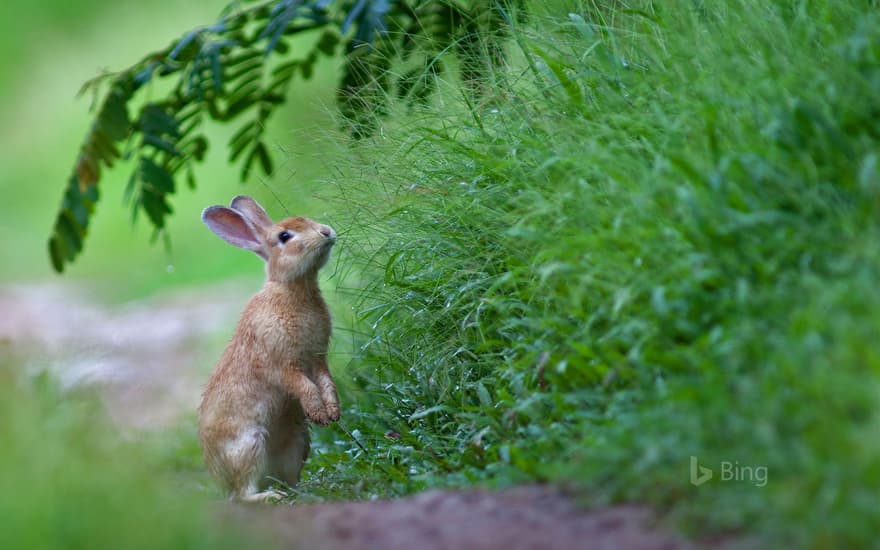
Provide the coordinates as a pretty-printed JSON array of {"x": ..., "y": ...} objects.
[{"x": 54, "y": 46}]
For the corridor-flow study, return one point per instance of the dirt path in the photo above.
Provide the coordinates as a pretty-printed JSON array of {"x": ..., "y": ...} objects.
[
  {"x": 528, "y": 517},
  {"x": 146, "y": 360}
]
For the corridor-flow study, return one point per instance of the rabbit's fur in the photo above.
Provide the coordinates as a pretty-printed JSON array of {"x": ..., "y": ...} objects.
[{"x": 273, "y": 374}]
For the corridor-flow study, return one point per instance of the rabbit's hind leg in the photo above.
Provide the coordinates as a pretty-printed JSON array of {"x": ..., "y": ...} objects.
[
  {"x": 288, "y": 451},
  {"x": 290, "y": 458},
  {"x": 244, "y": 460}
]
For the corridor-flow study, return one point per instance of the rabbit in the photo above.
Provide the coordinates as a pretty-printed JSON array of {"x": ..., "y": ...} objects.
[{"x": 273, "y": 375}]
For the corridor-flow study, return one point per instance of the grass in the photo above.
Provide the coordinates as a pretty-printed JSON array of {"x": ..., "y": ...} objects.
[
  {"x": 70, "y": 481},
  {"x": 654, "y": 239}
]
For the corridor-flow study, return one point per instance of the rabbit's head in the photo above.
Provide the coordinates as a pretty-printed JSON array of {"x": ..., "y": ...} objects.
[{"x": 292, "y": 248}]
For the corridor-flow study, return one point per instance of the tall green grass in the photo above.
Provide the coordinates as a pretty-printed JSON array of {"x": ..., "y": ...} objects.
[{"x": 653, "y": 238}]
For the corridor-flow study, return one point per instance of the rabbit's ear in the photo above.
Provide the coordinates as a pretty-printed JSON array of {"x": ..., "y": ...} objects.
[
  {"x": 231, "y": 226},
  {"x": 252, "y": 210}
]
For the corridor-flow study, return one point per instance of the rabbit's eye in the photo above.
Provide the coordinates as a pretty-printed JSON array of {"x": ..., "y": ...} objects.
[{"x": 285, "y": 236}]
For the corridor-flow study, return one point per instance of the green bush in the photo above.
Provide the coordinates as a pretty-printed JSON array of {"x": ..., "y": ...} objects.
[{"x": 654, "y": 237}]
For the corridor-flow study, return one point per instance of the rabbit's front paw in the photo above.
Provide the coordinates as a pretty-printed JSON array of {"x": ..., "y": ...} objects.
[
  {"x": 333, "y": 412},
  {"x": 321, "y": 419},
  {"x": 317, "y": 413}
]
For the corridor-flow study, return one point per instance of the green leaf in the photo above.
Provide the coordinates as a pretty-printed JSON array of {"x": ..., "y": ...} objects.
[
  {"x": 429, "y": 411},
  {"x": 483, "y": 395},
  {"x": 113, "y": 117},
  {"x": 197, "y": 147},
  {"x": 155, "y": 205},
  {"x": 190, "y": 177},
  {"x": 244, "y": 90},
  {"x": 87, "y": 170},
  {"x": 242, "y": 57},
  {"x": 188, "y": 111},
  {"x": 70, "y": 234},
  {"x": 327, "y": 43},
  {"x": 128, "y": 192},
  {"x": 571, "y": 87},
  {"x": 281, "y": 47},
  {"x": 265, "y": 160},
  {"x": 155, "y": 177},
  {"x": 156, "y": 121},
  {"x": 246, "y": 167},
  {"x": 250, "y": 70},
  {"x": 240, "y": 106},
  {"x": 79, "y": 211},
  {"x": 216, "y": 72},
  {"x": 71, "y": 222},
  {"x": 282, "y": 74},
  {"x": 57, "y": 254},
  {"x": 285, "y": 69},
  {"x": 161, "y": 144},
  {"x": 307, "y": 68},
  {"x": 102, "y": 147},
  {"x": 242, "y": 138},
  {"x": 188, "y": 128}
]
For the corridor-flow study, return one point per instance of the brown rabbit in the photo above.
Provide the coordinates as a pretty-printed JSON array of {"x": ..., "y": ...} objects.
[{"x": 273, "y": 374}]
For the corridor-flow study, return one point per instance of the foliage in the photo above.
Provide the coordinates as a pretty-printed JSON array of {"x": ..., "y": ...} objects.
[
  {"x": 652, "y": 245},
  {"x": 239, "y": 70}
]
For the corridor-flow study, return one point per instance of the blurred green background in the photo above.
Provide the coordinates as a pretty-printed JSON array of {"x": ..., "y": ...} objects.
[{"x": 54, "y": 46}]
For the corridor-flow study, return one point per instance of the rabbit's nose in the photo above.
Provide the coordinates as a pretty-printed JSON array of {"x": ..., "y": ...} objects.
[{"x": 327, "y": 231}]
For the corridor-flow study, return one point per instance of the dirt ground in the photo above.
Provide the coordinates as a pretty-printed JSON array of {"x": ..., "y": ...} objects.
[
  {"x": 531, "y": 517},
  {"x": 146, "y": 360}
]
